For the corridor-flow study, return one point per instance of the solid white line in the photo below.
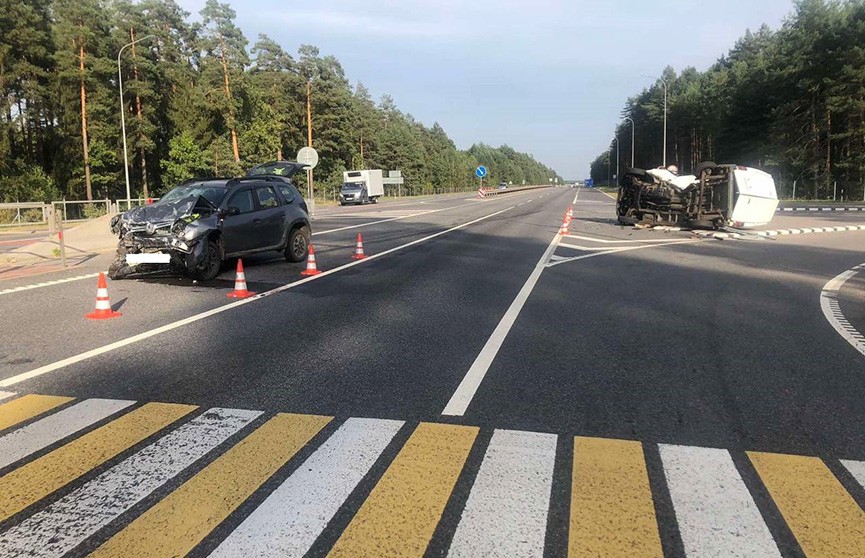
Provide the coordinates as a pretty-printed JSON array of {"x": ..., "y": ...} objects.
[
  {"x": 716, "y": 514},
  {"x": 832, "y": 309},
  {"x": 72, "y": 519},
  {"x": 197, "y": 317},
  {"x": 464, "y": 393},
  {"x": 506, "y": 511},
  {"x": 6, "y": 394},
  {"x": 294, "y": 515},
  {"x": 617, "y": 250},
  {"x": 604, "y": 241},
  {"x": 53, "y": 428},
  {"x": 588, "y": 248},
  {"x": 47, "y": 283}
]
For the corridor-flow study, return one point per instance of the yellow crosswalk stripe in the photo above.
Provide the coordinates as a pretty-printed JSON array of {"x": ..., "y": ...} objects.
[
  {"x": 183, "y": 518},
  {"x": 39, "y": 478},
  {"x": 822, "y": 515},
  {"x": 402, "y": 511},
  {"x": 612, "y": 513},
  {"x": 28, "y": 406}
]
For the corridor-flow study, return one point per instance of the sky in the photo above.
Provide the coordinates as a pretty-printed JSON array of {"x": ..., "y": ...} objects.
[{"x": 548, "y": 77}]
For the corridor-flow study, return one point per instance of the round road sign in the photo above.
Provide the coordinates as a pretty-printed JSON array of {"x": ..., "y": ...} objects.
[
  {"x": 481, "y": 171},
  {"x": 308, "y": 156}
]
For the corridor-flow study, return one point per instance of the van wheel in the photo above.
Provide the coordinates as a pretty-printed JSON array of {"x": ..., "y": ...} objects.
[
  {"x": 211, "y": 265},
  {"x": 297, "y": 248}
]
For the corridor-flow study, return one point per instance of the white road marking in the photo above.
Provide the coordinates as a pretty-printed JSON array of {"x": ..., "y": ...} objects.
[
  {"x": 197, "y": 317},
  {"x": 464, "y": 393},
  {"x": 289, "y": 521},
  {"x": 506, "y": 511},
  {"x": 857, "y": 469},
  {"x": 72, "y": 519},
  {"x": 6, "y": 394},
  {"x": 48, "y": 283},
  {"x": 832, "y": 309},
  {"x": 588, "y": 248},
  {"x": 615, "y": 251},
  {"x": 20, "y": 443},
  {"x": 605, "y": 241},
  {"x": 716, "y": 514}
]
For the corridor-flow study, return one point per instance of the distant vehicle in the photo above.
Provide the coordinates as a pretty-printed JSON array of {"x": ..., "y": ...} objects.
[
  {"x": 715, "y": 196},
  {"x": 503, "y": 185},
  {"x": 199, "y": 224},
  {"x": 361, "y": 187}
]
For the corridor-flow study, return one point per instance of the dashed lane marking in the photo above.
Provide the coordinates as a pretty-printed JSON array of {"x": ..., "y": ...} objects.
[
  {"x": 778, "y": 232},
  {"x": 832, "y": 309},
  {"x": 48, "y": 283},
  {"x": 848, "y": 208},
  {"x": 186, "y": 481}
]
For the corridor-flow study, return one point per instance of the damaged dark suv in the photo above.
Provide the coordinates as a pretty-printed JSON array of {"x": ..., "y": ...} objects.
[{"x": 201, "y": 223}]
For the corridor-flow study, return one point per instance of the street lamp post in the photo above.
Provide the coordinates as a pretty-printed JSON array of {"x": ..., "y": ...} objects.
[
  {"x": 633, "y": 126},
  {"x": 123, "y": 115},
  {"x": 665, "y": 115}
]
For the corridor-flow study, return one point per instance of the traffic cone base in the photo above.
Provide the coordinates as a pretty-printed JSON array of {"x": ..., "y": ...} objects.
[
  {"x": 311, "y": 268},
  {"x": 358, "y": 251},
  {"x": 103, "y": 309},
  {"x": 240, "y": 290}
]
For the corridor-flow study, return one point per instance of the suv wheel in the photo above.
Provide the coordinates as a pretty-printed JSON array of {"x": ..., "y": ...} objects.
[
  {"x": 211, "y": 264},
  {"x": 298, "y": 245}
]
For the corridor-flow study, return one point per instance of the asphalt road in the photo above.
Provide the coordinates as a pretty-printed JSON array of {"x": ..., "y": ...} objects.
[{"x": 496, "y": 389}]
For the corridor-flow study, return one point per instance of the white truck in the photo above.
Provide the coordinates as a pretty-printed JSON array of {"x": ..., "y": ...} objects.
[{"x": 361, "y": 186}]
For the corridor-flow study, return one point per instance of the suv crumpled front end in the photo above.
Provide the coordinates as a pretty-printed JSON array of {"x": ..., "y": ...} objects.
[{"x": 166, "y": 236}]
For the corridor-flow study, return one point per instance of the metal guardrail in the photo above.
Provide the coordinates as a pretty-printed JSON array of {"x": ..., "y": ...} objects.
[
  {"x": 82, "y": 210},
  {"x": 496, "y": 192},
  {"x": 24, "y": 213}
]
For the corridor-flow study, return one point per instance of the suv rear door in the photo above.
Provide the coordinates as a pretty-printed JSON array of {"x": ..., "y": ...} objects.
[
  {"x": 270, "y": 218},
  {"x": 239, "y": 231}
]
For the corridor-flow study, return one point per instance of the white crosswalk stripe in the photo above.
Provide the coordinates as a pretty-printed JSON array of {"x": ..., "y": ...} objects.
[
  {"x": 53, "y": 428},
  {"x": 69, "y": 521},
  {"x": 292, "y": 517},
  {"x": 506, "y": 512},
  {"x": 717, "y": 515},
  {"x": 6, "y": 395}
]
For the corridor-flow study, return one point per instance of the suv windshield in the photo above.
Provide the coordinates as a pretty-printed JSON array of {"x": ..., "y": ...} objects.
[{"x": 213, "y": 194}]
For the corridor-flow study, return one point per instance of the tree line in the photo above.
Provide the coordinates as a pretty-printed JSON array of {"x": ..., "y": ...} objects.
[
  {"x": 791, "y": 102},
  {"x": 198, "y": 101}
]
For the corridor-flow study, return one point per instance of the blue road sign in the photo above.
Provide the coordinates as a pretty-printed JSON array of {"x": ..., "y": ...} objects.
[
  {"x": 589, "y": 183},
  {"x": 481, "y": 171}
]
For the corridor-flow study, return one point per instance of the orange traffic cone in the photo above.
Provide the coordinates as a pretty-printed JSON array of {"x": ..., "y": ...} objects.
[
  {"x": 311, "y": 268},
  {"x": 564, "y": 229},
  {"x": 358, "y": 251},
  {"x": 570, "y": 212},
  {"x": 240, "y": 290},
  {"x": 103, "y": 309}
]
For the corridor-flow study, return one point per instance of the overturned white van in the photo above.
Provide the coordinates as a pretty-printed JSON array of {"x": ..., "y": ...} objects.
[{"x": 715, "y": 196}]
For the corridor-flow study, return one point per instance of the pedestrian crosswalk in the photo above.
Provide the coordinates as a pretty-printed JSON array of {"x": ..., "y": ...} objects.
[{"x": 122, "y": 478}]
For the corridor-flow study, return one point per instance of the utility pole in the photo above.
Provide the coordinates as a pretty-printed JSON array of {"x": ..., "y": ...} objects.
[
  {"x": 631, "y": 120},
  {"x": 616, "y": 176},
  {"x": 123, "y": 116}
]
